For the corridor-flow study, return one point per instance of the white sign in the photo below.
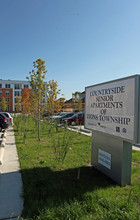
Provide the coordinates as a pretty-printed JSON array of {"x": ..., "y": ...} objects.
[
  {"x": 104, "y": 158},
  {"x": 110, "y": 108}
]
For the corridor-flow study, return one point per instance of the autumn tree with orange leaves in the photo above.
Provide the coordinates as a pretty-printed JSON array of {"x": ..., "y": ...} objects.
[{"x": 26, "y": 101}]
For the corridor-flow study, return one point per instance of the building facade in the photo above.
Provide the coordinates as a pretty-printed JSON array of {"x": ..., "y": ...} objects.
[
  {"x": 71, "y": 105},
  {"x": 10, "y": 90}
]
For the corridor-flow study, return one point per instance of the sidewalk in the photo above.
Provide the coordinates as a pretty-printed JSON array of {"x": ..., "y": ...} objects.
[{"x": 11, "y": 202}]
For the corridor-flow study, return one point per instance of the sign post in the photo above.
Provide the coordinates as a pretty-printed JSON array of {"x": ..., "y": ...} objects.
[{"x": 112, "y": 112}]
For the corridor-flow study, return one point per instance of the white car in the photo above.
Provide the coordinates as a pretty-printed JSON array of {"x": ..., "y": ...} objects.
[{"x": 9, "y": 117}]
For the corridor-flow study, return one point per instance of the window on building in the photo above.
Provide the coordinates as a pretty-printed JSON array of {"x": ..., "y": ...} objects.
[
  {"x": 6, "y": 92},
  {"x": 0, "y": 91},
  {"x": 0, "y": 99},
  {"x": 0, "y": 85},
  {"x": 7, "y": 86},
  {"x": 18, "y": 86},
  {"x": 17, "y": 93},
  {"x": 7, "y": 108},
  {"x": 26, "y": 86},
  {"x": 0, "y": 108},
  {"x": 7, "y": 99}
]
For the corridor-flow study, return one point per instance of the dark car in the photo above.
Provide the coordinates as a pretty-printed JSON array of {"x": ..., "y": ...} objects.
[
  {"x": 61, "y": 116},
  {"x": 8, "y": 117},
  {"x": 76, "y": 119},
  {"x": 3, "y": 122},
  {"x": 67, "y": 115}
]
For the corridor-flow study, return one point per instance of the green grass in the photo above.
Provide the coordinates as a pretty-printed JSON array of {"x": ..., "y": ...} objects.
[{"x": 52, "y": 189}]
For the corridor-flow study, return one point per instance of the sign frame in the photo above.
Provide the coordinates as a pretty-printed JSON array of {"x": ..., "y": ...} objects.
[{"x": 136, "y": 128}]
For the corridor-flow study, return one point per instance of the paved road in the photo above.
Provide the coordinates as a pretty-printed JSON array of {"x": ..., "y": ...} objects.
[{"x": 11, "y": 202}]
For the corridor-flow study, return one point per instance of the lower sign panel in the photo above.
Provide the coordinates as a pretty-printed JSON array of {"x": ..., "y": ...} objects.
[{"x": 104, "y": 158}]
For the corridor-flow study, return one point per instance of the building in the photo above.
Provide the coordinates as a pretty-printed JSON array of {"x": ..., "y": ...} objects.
[
  {"x": 10, "y": 90},
  {"x": 78, "y": 95},
  {"x": 71, "y": 105}
]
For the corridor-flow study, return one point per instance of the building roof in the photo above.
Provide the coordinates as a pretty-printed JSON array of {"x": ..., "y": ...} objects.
[{"x": 68, "y": 101}]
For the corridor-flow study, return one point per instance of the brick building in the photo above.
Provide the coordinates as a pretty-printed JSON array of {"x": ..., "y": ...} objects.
[{"x": 10, "y": 89}]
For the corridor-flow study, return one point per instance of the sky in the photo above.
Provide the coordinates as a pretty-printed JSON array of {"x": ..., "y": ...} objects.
[{"x": 83, "y": 42}]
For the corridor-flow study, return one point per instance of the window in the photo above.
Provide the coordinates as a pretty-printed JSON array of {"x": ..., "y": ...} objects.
[
  {"x": 17, "y": 93},
  {"x": 0, "y": 99},
  {"x": 0, "y": 91},
  {"x": 7, "y": 108},
  {"x": 80, "y": 115},
  {"x": 7, "y": 86},
  {"x": 0, "y": 85},
  {"x": 17, "y": 86},
  {"x": 0, "y": 108},
  {"x": 6, "y": 92},
  {"x": 7, "y": 99},
  {"x": 26, "y": 86}
]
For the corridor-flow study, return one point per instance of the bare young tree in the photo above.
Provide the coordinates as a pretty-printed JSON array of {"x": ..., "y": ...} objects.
[{"x": 36, "y": 79}]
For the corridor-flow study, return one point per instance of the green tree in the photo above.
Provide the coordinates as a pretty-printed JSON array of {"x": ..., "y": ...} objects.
[
  {"x": 3, "y": 104},
  {"x": 36, "y": 79}
]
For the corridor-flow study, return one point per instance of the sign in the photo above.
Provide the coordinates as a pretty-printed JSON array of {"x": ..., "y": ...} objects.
[
  {"x": 110, "y": 108},
  {"x": 104, "y": 158}
]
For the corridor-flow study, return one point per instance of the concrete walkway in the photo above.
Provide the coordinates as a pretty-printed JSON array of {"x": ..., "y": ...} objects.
[{"x": 11, "y": 201}]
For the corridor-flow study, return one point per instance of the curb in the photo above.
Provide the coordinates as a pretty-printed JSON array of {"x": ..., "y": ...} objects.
[
  {"x": 2, "y": 146},
  {"x": 3, "y": 139},
  {"x": 1, "y": 155}
]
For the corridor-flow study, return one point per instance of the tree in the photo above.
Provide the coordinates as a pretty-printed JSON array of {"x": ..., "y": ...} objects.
[
  {"x": 26, "y": 101},
  {"x": 18, "y": 103},
  {"x": 34, "y": 104},
  {"x": 79, "y": 104},
  {"x": 61, "y": 103},
  {"x": 36, "y": 79},
  {"x": 73, "y": 104},
  {"x": 3, "y": 104},
  {"x": 53, "y": 105}
]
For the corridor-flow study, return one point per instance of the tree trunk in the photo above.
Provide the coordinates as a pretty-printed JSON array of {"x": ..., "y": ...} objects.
[
  {"x": 38, "y": 129},
  {"x": 39, "y": 117}
]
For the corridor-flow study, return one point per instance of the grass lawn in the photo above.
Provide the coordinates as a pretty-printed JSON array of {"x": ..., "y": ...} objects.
[{"x": 71, "y": 189}]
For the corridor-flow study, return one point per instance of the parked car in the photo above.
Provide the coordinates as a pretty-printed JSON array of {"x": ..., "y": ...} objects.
[
  {"x": 3, "y": 122},
  {"x": 61, "y": 116},
  {"x": 55, "y": 115},
  {"x": 45, "y": 114},
  {"x": 76, "y": 119},
  {"x": 67, "y": 115},
  {"x": 8, "y": 116}
]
